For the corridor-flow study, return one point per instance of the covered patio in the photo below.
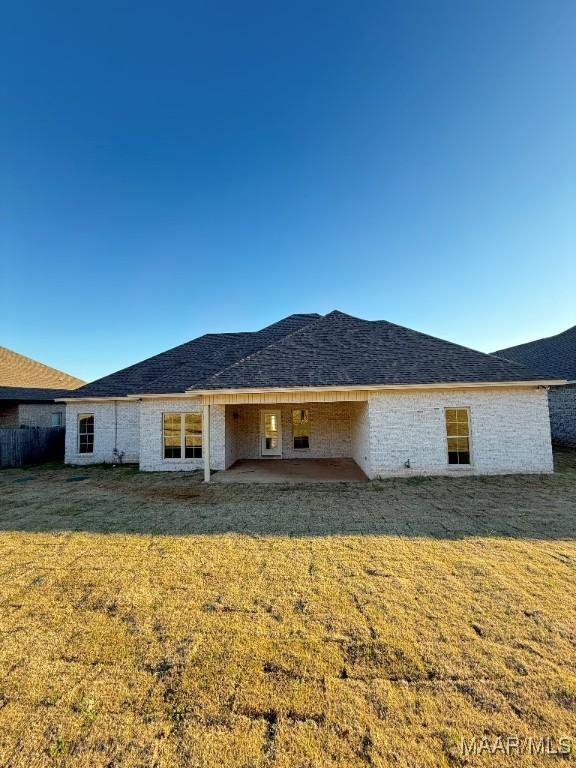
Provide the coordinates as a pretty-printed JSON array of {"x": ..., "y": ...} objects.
[
  {"x": 292, "y": 471},
  {"x": 285, "y": 436}
]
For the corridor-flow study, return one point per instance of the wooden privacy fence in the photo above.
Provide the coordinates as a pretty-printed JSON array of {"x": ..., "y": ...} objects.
[{"x": 30, "y": 445}]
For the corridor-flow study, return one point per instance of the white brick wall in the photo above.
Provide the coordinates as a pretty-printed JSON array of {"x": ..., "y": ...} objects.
[
  {"x": 218, "y": 437},
  {"x": 510, "y": 432},
  {"x": 230, "y": 437},
  {"x": 330, "y": 431},
  {"x": 151, "y": 447},
  {"x": 116, "y": 424},
  {"x": 360, "y": 435}
]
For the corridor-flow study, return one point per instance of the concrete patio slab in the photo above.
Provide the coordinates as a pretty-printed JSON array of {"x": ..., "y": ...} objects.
[{"x": 291, "y": 471}]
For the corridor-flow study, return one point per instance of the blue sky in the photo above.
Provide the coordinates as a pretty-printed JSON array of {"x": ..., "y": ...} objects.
[{"x": 169, "y": 169}]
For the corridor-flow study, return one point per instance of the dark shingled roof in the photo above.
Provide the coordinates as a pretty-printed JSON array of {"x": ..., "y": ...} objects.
[
  {"x": 554, "y": 356},
  {"x": 179, "y": 368},
  {"x": 32, "y": 393},
  {"x": 308, "y": 351},
  {"x": 340, "y": 350}
]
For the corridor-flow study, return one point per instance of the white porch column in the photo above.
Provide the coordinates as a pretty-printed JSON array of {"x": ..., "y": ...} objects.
[{"x": 206, "y": 441}]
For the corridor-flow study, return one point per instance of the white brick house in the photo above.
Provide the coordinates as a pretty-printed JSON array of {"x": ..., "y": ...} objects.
[{"x": 396, "y": 401}]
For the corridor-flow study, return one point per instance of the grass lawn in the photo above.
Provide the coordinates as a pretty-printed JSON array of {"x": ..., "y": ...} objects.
[{"x": 148, "y": 620}]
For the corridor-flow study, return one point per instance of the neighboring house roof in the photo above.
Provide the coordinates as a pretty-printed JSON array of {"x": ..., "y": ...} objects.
[
  {"x": 555, "y": 355},
  {"x": 34, "y": 394},
  {"x": 20, "y": 371},
  {"x": 308, "y": 351}
]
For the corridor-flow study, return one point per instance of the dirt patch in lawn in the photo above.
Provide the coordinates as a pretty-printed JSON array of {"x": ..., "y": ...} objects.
[{"x": 151, "y": 620}]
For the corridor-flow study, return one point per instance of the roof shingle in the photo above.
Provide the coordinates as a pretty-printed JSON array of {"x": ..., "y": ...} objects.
[
  {"x": 33, "y": 394},
  {"x": 17, "y": 370},
  {"x": 308, "y": 351},
  {"x": 340, "y": 350},
  {"x": 554, "y": 355},
  {"x": 179, "y": 368}
]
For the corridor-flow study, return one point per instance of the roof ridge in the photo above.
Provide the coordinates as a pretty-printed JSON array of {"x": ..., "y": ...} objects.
[
  {"x": 554, "y": 354},
  {"x": 232, "y": 333},
  {"x": 313, "y": 315},
  {"x": 341, "y": 349},
  {"x": 537, "y": 341},
  {"x": 264, "y": 348},
  {"x": 444, "y": 341},
  {"x": 165, "y": 351},
  {"x": 413, "y": 331},
  {"x": 192, "y": 360},
  {"x": 141, "y": 362},
  {"x": 181, "y": 365}
]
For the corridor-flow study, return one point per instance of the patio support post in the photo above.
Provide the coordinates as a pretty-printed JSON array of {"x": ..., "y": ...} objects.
[{"x": 206, "y": 441}]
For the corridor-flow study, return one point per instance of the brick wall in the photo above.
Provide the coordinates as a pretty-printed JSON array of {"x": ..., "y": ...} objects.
[
  {"x": 151, "y": 435},
  {"x": 116, "y": 424},
  {"x": 330, "y": 430},
  {"x": 218, "y": 437},
  {"x": 230, "y": 436},
  {"x": 510, "y": 432},
  {"x": 31, "y": 414},
  {"x": 562, "y": 402},
  {"x": 40, "y": 414},
  {"x": 360, "y": 435}
]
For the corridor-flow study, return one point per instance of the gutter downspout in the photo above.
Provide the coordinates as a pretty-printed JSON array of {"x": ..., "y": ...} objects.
[{"x": 116, "y": 427}]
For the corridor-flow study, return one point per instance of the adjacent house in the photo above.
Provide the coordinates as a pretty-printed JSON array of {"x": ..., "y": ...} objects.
[
  {"x": 396, "y": 401},
  {"x": 554, "y": 356},
  {"x": 28, "y": 392}
]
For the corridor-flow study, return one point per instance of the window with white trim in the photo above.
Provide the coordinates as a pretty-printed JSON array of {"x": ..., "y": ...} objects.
[
  {"x": 301, "y": 428},
  {"x": 56, "y": 419},
  {"x": 85, "y": 433},
  {"x": 458, "y": 435},
  {"x": 182, "y": 435}
]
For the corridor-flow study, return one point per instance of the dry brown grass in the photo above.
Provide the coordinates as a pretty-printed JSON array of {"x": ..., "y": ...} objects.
[{"x": 147, "y": 620}]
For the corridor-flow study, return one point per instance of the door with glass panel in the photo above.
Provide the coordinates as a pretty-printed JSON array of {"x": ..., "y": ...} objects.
[{"x": 270, "y": 433}]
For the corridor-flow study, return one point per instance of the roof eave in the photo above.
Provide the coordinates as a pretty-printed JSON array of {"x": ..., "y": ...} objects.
[
  {"x": 128, "y": 398},
  {"x": 328, "y": 388},
  {"x": 94, "y": 398},
  {"x": 377, "y": 387}
]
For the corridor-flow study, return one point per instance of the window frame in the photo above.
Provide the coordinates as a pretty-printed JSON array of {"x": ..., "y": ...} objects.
[
  {"x": 60, "y": 418},
  {"x": 82, "y": 416},
  {"x": 182, "y": 416},
  {"x": 309, "y": 435},
  {"x": 448, "y": 437}
]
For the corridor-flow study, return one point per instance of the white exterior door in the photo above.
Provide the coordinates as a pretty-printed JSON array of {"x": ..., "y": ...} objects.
[{"x": 270, "y": 433}]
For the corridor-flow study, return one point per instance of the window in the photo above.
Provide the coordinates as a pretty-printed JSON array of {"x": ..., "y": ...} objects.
[
  {"x": 458, "y": 435},
  {"x": 182, "y": 429},
  {"x": 172, "y": 436},
  {"x": 56, "y": 419},
  {"x": 193, "y": 436},
  {"x": 301, "y": 428},
  {"x": 86, "y": 433}
]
